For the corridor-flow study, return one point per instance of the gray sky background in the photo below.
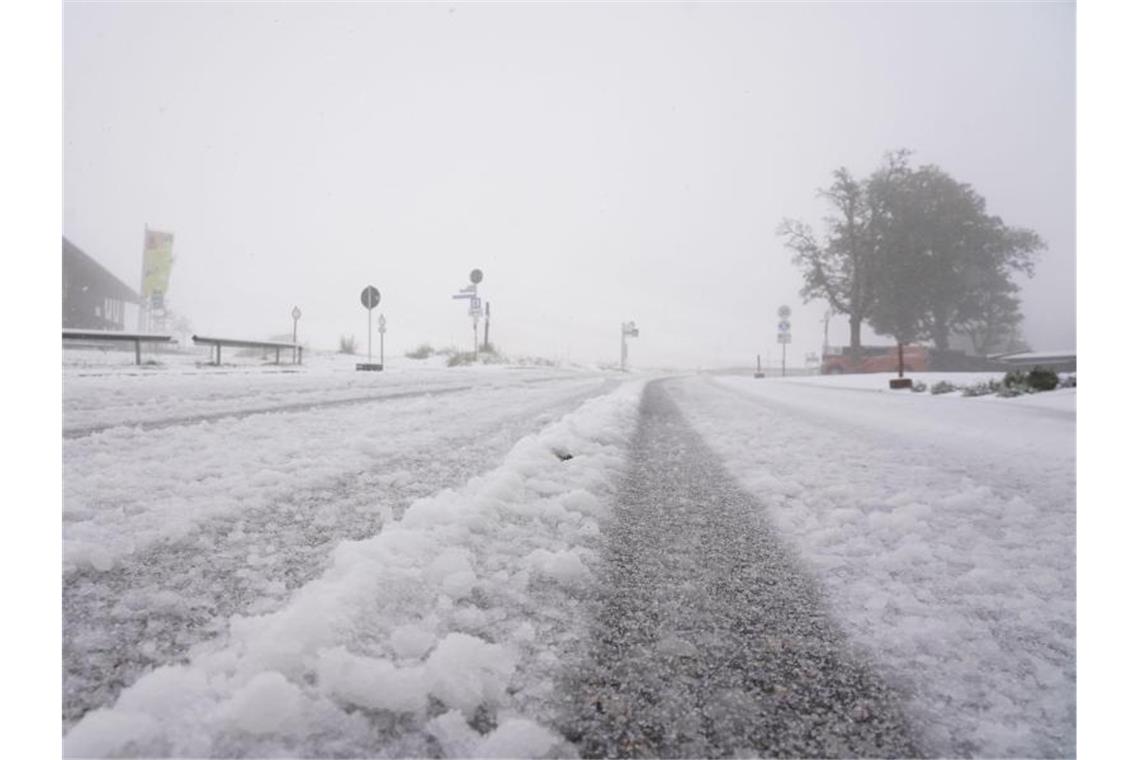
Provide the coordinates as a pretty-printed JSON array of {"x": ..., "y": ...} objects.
[{"x": 599, "y": 162}]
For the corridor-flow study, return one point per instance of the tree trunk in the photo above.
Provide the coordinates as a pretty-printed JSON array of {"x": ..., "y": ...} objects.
[
  {"x": 941, "y": 335},
  {"x": 900, "y": 359},
  {"x": 856, "y": 324}
]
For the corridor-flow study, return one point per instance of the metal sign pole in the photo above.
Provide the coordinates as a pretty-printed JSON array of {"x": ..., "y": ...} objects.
[
  {"x": 783, "y": 359},
  {"x": 487, "y": 328},
  {"x": 369, "y": 331}
]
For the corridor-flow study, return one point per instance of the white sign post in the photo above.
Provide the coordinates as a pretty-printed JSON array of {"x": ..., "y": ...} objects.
[
  {"x": 474, "y": 305},
  {"x": 370, "y": 297},
  {"x": 784, "y": 337}
]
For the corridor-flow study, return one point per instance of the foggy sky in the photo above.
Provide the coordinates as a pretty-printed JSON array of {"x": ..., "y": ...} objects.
[{"x": 600, "y": 162}]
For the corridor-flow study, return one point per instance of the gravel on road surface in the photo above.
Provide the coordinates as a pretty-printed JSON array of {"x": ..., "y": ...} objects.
[{"x": 709, "y": 639}]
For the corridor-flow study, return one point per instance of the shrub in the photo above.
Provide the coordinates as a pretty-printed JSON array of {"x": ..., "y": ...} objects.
[
  {"x": 918, "y": 387},
  {"x": 459, "y": 358},
  {"x": 422, "y": 351},
  {"x": 1040, "y": 379},
  {"x": 1037, "y": 379},
  {"x": 983, "y": 388},
  {"x": 943, "y": 387},
  {"x": 1069, "y": 381},
  {"x": 348, "y": 344}
]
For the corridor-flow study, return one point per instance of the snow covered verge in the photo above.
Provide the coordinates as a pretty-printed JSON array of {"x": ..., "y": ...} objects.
[
  {"x": 943, "y": 532},
  {"x": 926, "y": 382},
  {"x": 440, "y": 635}
]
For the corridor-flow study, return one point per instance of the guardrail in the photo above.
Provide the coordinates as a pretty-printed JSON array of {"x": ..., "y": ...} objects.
[
  {"x": 113, "y": 335},
  {"x": 217, "y": 343}
]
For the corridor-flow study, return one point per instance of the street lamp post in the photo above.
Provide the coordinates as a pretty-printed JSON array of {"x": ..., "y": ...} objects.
[{"x": 296, "y": 316}]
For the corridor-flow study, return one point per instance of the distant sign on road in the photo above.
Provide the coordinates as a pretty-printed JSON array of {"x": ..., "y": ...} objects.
[
  {"x": 784, "y": 312},
  {"x": 784, "y": 338},
  {"x": 785, "y": 326},
  {"x": 370, "y": 297}
]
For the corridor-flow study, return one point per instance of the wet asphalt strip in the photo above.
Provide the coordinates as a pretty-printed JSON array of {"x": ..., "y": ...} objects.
[{"x": 708, "y": 638}]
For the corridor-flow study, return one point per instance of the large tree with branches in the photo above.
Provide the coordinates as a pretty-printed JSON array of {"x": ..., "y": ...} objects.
[{"x": 911, "y": 246}]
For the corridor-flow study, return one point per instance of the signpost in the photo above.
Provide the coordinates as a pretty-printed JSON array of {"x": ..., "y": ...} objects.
[
  {"x": 627, "y": 329},
  {"x": 296, "y": 316},
  {"x": 370, "y": 297},
  {"x": 383, "y": 328},
  {"x": 784, "y": 337},
  {"x": 475, "y": 304}
]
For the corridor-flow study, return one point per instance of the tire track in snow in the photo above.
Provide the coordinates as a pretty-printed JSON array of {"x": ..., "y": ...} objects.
[
  {"x": 708, "y": 639},
  {"x": 302, "y": 406},
  {"x": 150, "y": 611}
]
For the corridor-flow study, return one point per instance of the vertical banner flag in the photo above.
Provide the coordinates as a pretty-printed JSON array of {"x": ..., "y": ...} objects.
[{"x": 158, "y": 258}]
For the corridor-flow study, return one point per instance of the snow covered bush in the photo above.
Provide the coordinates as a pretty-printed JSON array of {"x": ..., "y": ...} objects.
[
  {"x": 347, "y": 344},
  {"x": 918, "y": 387},
  {"x": 943, "y": 387},
  {"x": 422, "y": 351},
  {"x": 1069, "y": 381},
  {"x": 1037, "y": 379},
  {"x": 1040, "y": 379},
  {"x": 984, "y": 388}
]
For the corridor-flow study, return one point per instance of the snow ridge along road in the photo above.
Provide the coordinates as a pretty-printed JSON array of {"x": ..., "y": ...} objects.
[
  {"x": 442, "y": 635},
  {"x": 167, "y": 533},
  {"x": 709, "y": 639}
]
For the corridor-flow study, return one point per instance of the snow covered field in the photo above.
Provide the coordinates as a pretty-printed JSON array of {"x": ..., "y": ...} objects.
[
  {"x": 943, "y": 529},
  {"x": 264, "y": 561}
]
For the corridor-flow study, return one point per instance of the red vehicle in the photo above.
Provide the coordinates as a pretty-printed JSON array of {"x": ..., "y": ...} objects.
[{"x": 876, "y": 359}]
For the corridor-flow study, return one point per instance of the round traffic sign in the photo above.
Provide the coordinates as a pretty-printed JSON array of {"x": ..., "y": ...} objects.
[
  {"x": 370, "y": 296},
  {"x": 785, "y": 325},
  {"x": 296, "y": 312},
  {"x": 784, "y": 312},
  {"x": 476, "y": 276}
]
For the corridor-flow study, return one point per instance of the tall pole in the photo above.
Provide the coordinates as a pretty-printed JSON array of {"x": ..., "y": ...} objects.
[
  {"x": 487, "y": 328},
  {"x": 296, "y": 315},
  {"x": 783, "y": 359},
  {"x": 369, "y": 331},
  {"x": 623, "y": 348},
  {"x": 142, "y": 284}
]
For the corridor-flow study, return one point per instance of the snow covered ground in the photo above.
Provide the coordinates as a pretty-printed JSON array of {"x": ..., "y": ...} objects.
[
  {"x": 943, "y": 530},
  {"x": 278, "y": 561},
  {"x": 182, "y": 536}
]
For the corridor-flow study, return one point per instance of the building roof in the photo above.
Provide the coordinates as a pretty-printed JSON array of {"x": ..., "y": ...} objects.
[{"x": 77, "y": 264}]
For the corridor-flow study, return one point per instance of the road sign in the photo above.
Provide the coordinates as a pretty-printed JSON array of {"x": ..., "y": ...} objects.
[
  {"x": 383, "y": 328},
  {"x": 785, "y": 325},
  {"x": 370, "y": 297},
  {"x": 461, "y": 296},
  {"x": 784, "y": 312},
  {"x": 296, "y": 313},
  {"x": 476, "y": 276},
  {"x": 784, "y": 338}
]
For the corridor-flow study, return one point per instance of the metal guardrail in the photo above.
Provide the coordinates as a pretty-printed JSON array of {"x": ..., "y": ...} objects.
[
  {"x": 113, "y": 335},
  {"x": 217, "y": 343}
]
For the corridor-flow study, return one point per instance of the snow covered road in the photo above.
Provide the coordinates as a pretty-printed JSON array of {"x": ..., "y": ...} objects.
[
  {"x": 709, "y": 640},
  {"x": 552, "y": 563},
  {"x": 170, "y": 529},
  {"x": 942, "y": 530}
]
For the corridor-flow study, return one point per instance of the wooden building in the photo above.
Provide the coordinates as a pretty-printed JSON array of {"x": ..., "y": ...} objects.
[{"x": 93, "y": 298}]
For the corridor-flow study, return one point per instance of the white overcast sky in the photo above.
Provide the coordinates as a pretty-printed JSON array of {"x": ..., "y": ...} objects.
[{"x": 600, "y": 162}]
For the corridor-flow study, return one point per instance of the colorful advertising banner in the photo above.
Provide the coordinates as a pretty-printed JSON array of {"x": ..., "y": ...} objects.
[{"x": 158, "y": 258}]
